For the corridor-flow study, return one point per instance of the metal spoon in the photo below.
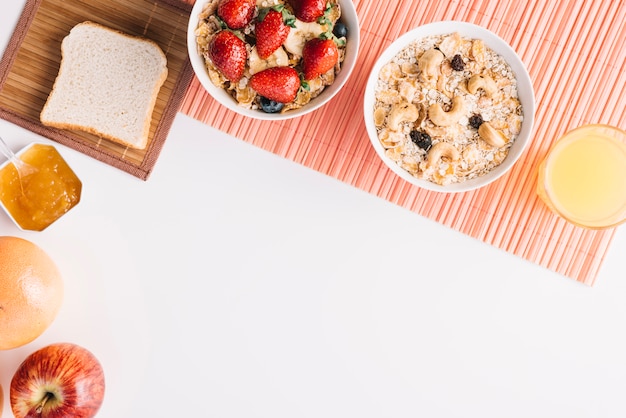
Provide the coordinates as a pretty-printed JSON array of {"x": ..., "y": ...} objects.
[{"x": 23, "y": 169}]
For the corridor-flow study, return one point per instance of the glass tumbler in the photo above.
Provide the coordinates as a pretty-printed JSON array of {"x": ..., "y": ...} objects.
[{"x": 583, "y": 177}]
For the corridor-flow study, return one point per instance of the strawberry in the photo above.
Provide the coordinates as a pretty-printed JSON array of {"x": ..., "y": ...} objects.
[
  {"x": 271, "y": 30},
  {"x": 308, "y": 10},
  {"x": 236, "y": 13},
  {"x": 318, "y": 56},
  {"x": 228, "y": 53},
  {"x": 280, "y": 84}
]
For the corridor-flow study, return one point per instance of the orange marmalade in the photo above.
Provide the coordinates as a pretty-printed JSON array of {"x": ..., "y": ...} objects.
[{"x": 37, "y": 199}]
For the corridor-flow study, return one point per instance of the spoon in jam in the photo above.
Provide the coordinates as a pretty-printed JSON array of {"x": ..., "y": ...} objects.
[{"x": 23, "y": 169}]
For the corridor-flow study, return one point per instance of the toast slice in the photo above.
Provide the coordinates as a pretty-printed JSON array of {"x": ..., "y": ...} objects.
[{"x": 107, "y": 84}]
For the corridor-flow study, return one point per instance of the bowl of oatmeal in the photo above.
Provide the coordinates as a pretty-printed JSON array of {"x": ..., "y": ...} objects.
[
  {"x": 449, "y": 106},
  {"x": 273, "y": 84}
]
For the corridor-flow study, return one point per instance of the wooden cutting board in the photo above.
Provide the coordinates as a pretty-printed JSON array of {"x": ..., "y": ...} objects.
[{"x": 31, "y": 61}]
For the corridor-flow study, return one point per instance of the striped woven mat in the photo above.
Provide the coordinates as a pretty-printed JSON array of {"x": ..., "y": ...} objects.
[{"x": 574, "y": 51}]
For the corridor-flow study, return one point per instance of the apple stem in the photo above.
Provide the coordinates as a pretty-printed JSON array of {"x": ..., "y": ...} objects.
[{"x": 42, "y": 404}]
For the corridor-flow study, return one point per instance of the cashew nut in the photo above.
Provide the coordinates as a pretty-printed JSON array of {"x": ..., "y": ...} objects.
[
  {"x": 430, "y": 61},
  {"x": 402, "y": 112},
  {"x": 423, "y": 113},
  {"x": 441, "y": 118},
  {"x": 442, "y": 150},
  {"x": 484, "y": 82},
  {"x": 491, "y": 136}
]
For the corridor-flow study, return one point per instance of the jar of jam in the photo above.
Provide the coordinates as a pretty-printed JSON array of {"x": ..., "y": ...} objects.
[{"x": 37, "y": 197}]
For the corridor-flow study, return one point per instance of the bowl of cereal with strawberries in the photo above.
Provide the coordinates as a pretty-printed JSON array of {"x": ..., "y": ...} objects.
[
  {"x": 273, "y": 59},
  {"x": 449, "y": 106}
]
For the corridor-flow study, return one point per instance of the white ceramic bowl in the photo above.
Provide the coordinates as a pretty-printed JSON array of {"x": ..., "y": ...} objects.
[
  {"x": 348, "y": 17},
  {"x": 525, "y": 93}
]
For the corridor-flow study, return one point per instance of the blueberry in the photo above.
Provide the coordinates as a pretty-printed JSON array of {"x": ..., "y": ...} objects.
[
  {"x": 340, "y": 30},
  {"x": 270, "y": 106},
  {"x": 421, "y": 139}
]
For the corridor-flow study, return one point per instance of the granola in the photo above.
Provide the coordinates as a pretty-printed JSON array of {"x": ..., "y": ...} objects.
[
  {"x": 447, "y": 108},
  {"x": 289, "y": 54}
]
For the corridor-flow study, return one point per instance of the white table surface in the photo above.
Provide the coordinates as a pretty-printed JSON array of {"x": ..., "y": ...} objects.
[{"x": 236, "y": 284}]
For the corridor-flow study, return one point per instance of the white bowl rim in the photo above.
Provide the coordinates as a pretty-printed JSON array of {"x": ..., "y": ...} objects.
[
  {"x": 499, "y": 45},
  {"x": 352, "y": 51}
]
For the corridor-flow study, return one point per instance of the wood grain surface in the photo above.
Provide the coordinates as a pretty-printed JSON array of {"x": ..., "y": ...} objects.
[{"x": 31, "y": 62}]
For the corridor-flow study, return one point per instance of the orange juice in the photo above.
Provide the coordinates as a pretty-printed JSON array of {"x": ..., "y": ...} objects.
[{"x": 583, "y": 179}]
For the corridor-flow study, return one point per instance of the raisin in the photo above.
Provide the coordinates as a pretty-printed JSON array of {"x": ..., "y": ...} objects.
[
  {"x": 475, "y": 121},
  {"x": 457, "y": 63},
  {"x": 421, "y": 139}
]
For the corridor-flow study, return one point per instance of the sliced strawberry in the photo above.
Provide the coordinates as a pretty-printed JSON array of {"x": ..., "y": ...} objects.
[
  {"x": 236, "y": 13},
  {"x": 271, "y": 32},
  {"x": 318, "y": 56},
  {"x": 308, "y": 10},
  {"x": 280, "y": 84},
  {"x": 228, "y": 53}
]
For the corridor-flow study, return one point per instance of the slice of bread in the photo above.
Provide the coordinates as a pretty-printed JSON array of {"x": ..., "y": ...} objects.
[{"x": 107, "y": 84}]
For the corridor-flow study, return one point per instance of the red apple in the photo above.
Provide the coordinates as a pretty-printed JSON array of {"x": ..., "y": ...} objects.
[{"x": 59, "y": 380}]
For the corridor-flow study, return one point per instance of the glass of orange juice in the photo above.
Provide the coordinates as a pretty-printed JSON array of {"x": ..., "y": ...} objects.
[{"x": 583, "y": 178}]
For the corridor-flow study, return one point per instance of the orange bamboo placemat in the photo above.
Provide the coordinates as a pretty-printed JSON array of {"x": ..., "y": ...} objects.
[{"x": 574, "y": 51}]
